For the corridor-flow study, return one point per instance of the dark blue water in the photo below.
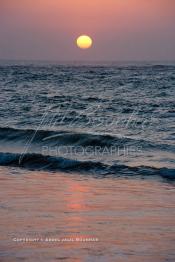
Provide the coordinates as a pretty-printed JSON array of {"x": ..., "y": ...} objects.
[{"x": 104, "y": 119}]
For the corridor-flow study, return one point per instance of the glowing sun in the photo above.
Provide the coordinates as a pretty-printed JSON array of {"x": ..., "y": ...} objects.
[{"x": 84, "y": 42}]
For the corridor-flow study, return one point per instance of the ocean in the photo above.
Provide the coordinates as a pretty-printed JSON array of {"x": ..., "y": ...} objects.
[{"x": 87, "y": 151}]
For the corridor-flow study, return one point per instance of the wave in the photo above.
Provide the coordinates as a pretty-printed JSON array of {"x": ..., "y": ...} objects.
[
  {"x": 48, "y": 163},
  {"x": 57, "y": 138}
]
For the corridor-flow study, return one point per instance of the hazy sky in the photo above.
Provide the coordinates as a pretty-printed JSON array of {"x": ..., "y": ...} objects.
[{"x": 121, "y": 29}]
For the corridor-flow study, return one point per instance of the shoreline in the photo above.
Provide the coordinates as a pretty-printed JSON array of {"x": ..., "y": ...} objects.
[{"x": 133, "y": 219}]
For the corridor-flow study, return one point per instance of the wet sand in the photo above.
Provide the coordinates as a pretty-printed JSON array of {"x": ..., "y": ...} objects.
[{"x": 121, "y": 220}]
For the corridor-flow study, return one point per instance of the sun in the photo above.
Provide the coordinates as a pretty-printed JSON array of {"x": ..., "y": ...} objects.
[{"x": 84, "y": 41}]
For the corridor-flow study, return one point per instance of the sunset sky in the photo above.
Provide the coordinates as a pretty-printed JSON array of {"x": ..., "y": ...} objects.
[{"x": 120, "y": 29}]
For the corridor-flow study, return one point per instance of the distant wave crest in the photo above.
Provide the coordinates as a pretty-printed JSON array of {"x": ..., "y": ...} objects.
[{"x": 57, "y": 138}]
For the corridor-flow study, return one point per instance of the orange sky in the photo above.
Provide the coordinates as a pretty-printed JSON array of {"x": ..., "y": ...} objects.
[{"x": 121, "y": 29}]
